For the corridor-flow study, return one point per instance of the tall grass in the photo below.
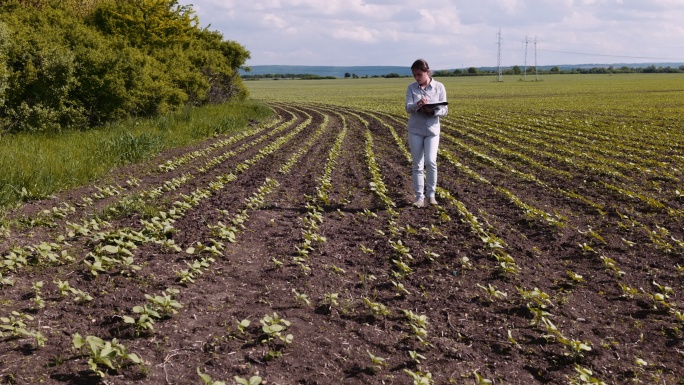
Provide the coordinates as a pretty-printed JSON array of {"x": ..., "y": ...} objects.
[{"x": 37, "y": 166}]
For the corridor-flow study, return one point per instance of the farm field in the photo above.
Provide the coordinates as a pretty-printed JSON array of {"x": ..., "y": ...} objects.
[{"x": 289, "y": 251}]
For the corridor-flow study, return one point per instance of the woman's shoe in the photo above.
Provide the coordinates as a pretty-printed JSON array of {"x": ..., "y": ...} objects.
[
  {"x": 433, "y": 201},
  {"x": 419, "y": 203}
]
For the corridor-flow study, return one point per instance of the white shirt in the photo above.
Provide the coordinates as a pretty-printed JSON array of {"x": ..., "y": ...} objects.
[{"x": 421, "y": 123}]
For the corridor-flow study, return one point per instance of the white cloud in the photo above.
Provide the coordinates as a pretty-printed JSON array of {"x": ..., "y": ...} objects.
[{"x": 395, "y": 32}]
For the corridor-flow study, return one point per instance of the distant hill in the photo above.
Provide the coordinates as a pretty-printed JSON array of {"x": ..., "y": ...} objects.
[
  {"x": 338, "y": 72},
  {"x": 363, "y": 71}
]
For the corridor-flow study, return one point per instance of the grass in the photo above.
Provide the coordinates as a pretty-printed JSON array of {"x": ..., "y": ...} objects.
[{"x": 37, "y": 166}]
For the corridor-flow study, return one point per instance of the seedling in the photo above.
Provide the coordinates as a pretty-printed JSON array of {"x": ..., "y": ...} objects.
[
  {"x": 401, "y": 289},
  {"x": 431, "y": 255},
  {"x": 254, "y": 380},
  {"x": 627, "y": 291},
  {"x": 243, "y": 325},
  {"x": 301, "y": 298},
  {"x": 330, "y": 299},
  {"x": 81, "y": 296},
  {"x": 146, "y": 319},
  {"x": 611, "y": 266},
  {"x": 274, "y": 326},
  {"x": 207, "y": 380},
  {"x": 420, "y": 378},
  {"x": 37, "y": 300},
  {"x": 404, "y": 269},
  {"x": 366, "y": 250},
  {"x": 377, "y": 309},
  {"x": 378, "y": 362},
  {"x": 492, "y": 292},
  {"x": 165, "y": 304},
  {"x": 276, "y": 263},
  {"x": 16, "y": 326},
  {"x": 479, "y": 380},
  {"x": 576, "y": 278},
  {"x": 107, "y": 354},
  {"x": 416, "y": 357},
  {"x": 540, "y": 298},
  {"x": 512, "y": 340},
  {"x": 585, "y": 376}
]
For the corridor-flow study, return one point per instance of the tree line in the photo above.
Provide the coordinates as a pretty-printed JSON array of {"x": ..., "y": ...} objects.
[{"x": 77, "y": 64}]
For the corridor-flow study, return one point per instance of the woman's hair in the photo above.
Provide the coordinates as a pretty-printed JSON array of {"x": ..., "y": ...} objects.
[{"x": 420, "y": 64}]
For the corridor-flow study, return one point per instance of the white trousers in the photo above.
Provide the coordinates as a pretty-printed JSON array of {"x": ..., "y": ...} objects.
[{"x": 424, "y": 171}]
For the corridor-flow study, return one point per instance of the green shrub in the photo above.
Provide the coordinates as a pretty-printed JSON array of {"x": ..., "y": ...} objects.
[{"x": 63, "y": 65}]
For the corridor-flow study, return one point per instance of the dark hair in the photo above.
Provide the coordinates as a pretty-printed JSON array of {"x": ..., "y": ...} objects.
[{"x": 420, "y": 64}]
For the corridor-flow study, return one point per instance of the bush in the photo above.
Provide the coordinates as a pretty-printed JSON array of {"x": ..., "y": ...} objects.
[{"x": 61, "y": 67}]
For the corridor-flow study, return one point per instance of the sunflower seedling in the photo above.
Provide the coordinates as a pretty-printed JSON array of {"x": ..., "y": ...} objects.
[
  {"x": 492, "y": 292},
  {"x": 254, "y": 380},
  {"x": 207, "y": 380},
  {"x": 416, "y": 357},
  {"x": 243, "y": 325},
  {"x": 419, "y": 378},
  {"x": 378, "y": 362},
  {"x": 107, "y": 354},
  {"x": 301, "y": 298}
]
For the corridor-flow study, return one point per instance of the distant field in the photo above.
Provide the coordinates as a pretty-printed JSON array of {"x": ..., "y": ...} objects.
[
  {"x": 287, "y": 251},
  {"x": 637, "y": 95}
]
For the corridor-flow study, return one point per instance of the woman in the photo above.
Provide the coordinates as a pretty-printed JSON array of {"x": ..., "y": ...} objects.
[{"x": 426, "y": 103}]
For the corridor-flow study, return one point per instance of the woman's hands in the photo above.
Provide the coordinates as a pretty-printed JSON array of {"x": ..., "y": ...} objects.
[{"x": 426, "y": 110}]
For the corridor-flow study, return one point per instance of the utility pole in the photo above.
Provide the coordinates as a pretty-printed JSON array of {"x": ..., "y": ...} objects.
[
  {"x": 536, "y": 76},
  {"x": 525, "y": 68},
  {"x": 498, "y": 57}
]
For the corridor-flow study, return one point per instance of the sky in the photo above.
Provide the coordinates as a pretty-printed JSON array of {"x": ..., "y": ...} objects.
[{"x": 449, "y": 34}]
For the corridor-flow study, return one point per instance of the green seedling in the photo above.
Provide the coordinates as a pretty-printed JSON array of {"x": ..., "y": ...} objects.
[
  {"x": 479, "y": 380},
  {"x": 378, "y": 362},
  {"x": 512, "y": 340},
  {"x": 15, "y": 326},
  {"x": 37, "y": 300},
  {"x": 585, "y": 376},
  {"x": 537, "y": 296},
  {"x": 207, "y": 380},
  {"x": 366, "y": 250},
  {"x": 144, "y": 322},
  {"x": 416, "y": 357},
  {"x": 276, "y": 263},
  {"x": 274, "y": 326},
  {"x": 576, "y": 278},
  {"x": 492, "y": 292},
  {"x": 377, "y": 309},
  {"x": 400, "y": 288},
  {"x": 627, "y": 291},
  {"x": 419, "y": 378},
  {"x": 611, "y": 266},
  {"x": 301, "y": 298},
  {"x": 330, "y": 299},
  {"x": 404, "y": 269},
  {"x": 104, "y": 354},
  {"x": 243, "y": 325},
  {"x": 165, "y": 304},
  {"x": 254, "y": 380}
]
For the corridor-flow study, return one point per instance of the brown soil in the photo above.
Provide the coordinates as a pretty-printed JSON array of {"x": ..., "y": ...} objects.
[{"x": 467, "y": 329}]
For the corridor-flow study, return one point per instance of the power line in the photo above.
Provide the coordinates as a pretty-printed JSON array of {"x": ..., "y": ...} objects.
[{"x": 617, "y": 56}]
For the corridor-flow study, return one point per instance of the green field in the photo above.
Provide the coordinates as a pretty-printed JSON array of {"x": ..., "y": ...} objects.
[{"x": 642, "y": 96}]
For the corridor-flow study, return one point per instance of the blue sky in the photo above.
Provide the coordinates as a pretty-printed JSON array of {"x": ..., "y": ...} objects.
[{"x": 449, "y": 33}]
